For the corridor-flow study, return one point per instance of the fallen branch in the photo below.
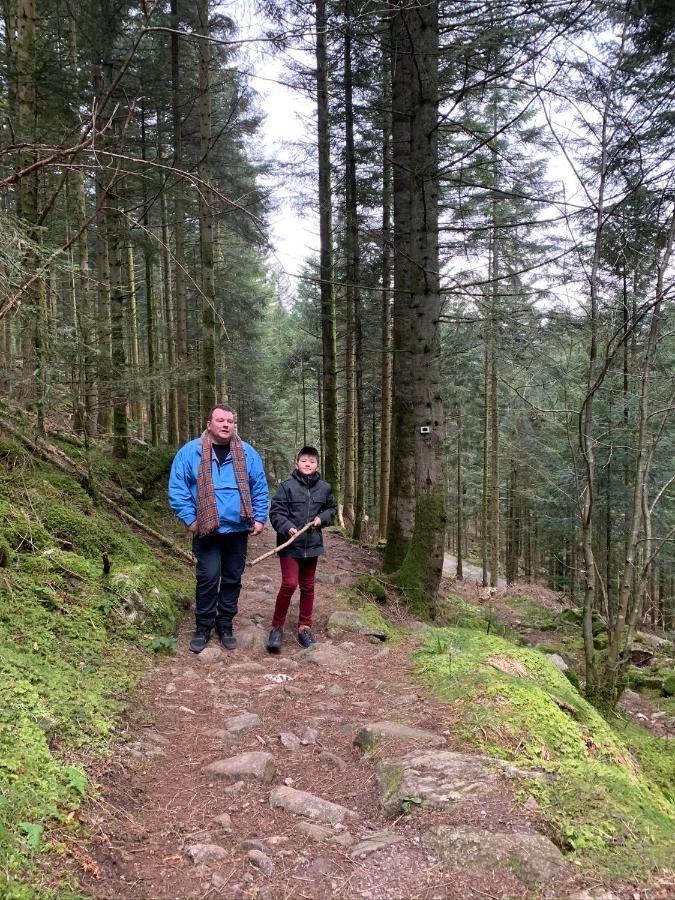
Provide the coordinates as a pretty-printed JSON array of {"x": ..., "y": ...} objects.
[{"x": 281, "y": 546}]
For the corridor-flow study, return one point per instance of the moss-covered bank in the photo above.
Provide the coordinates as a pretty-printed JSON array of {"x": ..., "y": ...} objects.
[
  {"x": 73, "y": 640},
  {"x": 610, "y": 801}
]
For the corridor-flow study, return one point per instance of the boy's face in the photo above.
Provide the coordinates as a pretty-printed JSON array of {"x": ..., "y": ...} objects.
[{"x": 307, "y": 465}]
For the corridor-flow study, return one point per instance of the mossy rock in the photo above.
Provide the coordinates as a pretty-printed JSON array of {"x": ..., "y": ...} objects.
[
  {"x": 641, "y": 679},
  {"x": 668, "y": 688},
  {"x": 517, "y": 706},
  {"x": 572, "y": 616},
  {"x": 372, "y": 587},
  {"x": 600, "y": 642}
]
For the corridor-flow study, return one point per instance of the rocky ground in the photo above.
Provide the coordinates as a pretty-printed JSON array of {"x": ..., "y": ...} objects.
[{"x": 309, "y": 774}]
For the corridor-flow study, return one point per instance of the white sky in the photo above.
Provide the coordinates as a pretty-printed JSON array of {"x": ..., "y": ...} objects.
[{"x": 289, "y": 119}]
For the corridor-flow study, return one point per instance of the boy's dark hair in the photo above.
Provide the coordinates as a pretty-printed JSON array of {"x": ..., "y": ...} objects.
[
  {"x": 221, "y": 406},
  {"x": 307, "y": 451}
]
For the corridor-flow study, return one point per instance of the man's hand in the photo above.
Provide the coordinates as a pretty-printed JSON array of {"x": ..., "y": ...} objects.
[
  {"x": 194, "y": 528},
  {"x": 316, "y": 522},
  {"x": 257, "y": 528}
]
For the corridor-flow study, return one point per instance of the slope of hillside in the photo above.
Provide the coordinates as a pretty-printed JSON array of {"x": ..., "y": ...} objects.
[{"x": 84, "y": 605}]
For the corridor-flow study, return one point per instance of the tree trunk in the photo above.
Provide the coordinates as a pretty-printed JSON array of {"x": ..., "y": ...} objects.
[
  {"x": 422, "y": 568},
  {"x": 402, "y": 464},
  {"x": 208, "y": 372},
  {"x": 179, "y": 235},
  {"x": 331, "y": 458},
  {"x": 134, "y": 349},
  {"x": 386, "y": 368},
  {"x": 460, "y": 497}
]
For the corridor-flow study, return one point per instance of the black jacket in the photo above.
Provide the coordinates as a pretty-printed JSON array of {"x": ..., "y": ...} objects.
[{"x": 297, "y": 501}]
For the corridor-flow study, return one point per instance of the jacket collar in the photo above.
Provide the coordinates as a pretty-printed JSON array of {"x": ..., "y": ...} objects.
[{"x": 306, "y": 480}]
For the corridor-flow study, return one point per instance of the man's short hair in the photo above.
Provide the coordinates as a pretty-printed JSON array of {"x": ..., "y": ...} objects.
[
  {"x": 222, "y": 406},
  {"x": 307, "y": 451}
]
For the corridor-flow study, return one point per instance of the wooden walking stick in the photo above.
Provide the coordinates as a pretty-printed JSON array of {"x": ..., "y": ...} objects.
[{"x": 281, "y": 546}]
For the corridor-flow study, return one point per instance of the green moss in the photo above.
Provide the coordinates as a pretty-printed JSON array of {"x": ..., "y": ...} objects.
[
  {"x": 531, "y": 613},
  {"x": 669, "y": 686},
  {"x": 69, "y": 649},
  {"x": 604, "y": 803},
  {"x": 414, "y": 577},
  {"x": 454, "y": 611},
  {"x": 372, "y": 587}
]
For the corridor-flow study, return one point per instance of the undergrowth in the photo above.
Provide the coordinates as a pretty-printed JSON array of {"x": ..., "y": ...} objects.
[
  {"x": 610, "y": 800},
  {"x": 73, "y": 641}
]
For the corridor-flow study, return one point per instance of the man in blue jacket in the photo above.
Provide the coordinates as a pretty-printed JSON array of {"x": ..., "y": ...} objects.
[{"x": 218, "y": 490}]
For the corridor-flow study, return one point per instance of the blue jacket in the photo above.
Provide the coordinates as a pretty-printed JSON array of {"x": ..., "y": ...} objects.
[{"x": 183, "y": 487}]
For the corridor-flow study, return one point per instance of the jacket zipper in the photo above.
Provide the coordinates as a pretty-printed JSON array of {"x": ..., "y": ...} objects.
[{"x": 309, "y": 500}]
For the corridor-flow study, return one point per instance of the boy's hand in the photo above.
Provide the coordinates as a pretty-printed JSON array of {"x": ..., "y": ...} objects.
[
  {"x": 316, "y": 522},
  {"x": 292, "y": 531}
]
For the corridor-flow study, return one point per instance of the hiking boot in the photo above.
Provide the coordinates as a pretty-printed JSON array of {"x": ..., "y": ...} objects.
[
  {"x": 274, "y": 640},
  {"x": 227, "y": 638},
  {"x": 200, "y": 638},
  {"x": 306, "y": 638}
]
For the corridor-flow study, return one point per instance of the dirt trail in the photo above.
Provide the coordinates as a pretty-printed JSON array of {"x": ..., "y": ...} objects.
[{"x": 159, "y": 808}]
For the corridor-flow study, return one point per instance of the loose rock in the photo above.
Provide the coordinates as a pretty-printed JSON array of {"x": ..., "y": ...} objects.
[
  {"x": 289, "y": 740},
  {"x": 225, "y": 822},
  {"x": 261, "y": 861},
  {"x": 202, "y": 854}
]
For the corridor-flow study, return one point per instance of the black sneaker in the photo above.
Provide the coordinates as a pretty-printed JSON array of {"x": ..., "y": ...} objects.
[
  {"x": 306, "y": 638},
  {"x": 227, "y": 638},
  {"x": 274, "y": 640},
  {"x": 200, "y": 638}
]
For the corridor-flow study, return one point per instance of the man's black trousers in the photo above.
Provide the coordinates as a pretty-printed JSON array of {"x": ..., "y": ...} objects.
[{"x": 221, "y": 559}]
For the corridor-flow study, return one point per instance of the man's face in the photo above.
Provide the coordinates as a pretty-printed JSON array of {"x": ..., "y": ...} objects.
[
  {"x": 221, "y": 426},
  {"x": 307, "y": 465}
]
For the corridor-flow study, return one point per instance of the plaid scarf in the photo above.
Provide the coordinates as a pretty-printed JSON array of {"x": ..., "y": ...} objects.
[{"x": 207, "y": 509}]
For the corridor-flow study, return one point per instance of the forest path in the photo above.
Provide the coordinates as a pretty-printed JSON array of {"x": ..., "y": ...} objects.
[
  {"x": 165, "y": 826},
  {"x": 469, "y": 570}
]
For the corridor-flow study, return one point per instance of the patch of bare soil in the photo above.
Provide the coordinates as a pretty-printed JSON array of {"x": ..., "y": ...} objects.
[{"x": 157, "y": 803}]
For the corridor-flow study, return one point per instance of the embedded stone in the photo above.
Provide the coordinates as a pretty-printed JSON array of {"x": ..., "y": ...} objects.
[
  {"x": 533, "y": 858},
  {"x": 242, "y": 723},
  {"x": 209, "y": 656},
  {"x": 558, "y": 661},
  {"x": 375, "y": 842},
  {"x": 373, "y": 732},
  {"x": 440, "y": 779},
  {"x": 348, "y": 620},
  {"x": 252, "y": 766},
  {"x": 301, "y": 803}
]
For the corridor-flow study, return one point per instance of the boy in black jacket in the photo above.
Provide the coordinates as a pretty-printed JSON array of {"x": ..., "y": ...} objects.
[{"x": 302, "y": 498}]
